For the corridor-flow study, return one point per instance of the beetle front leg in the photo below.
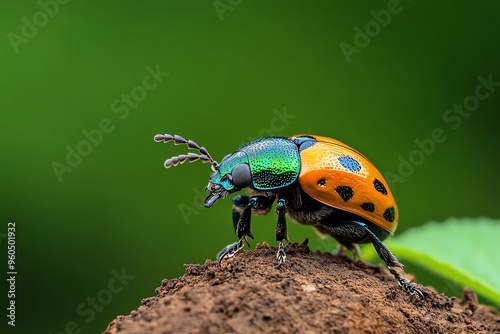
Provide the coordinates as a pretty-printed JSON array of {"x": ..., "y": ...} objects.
[
  {"x": 240, "y": 202},
  {"x": 241, "y": 222},
  {"x": 230, "y": 251},
  {"x": 281, "y": 231},
  {"x": 242, "y": 209}
]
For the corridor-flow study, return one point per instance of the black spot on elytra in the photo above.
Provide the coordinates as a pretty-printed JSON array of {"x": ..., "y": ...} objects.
[
  {"x": 345, "y": 192},
  {"x": 379, "y": 186},
  {"x": 321, "y": 182},
  {"x": 368, "y": 206},
  {"x": 389, "y": 214}
]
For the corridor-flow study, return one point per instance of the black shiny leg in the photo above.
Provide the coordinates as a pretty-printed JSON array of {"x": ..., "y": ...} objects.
[
  {"x": 230, "y": 251},
  {"x": 242, "y": 210},
  {"x": 354, "y": 231},
  {"x": 281, "y": 231}
]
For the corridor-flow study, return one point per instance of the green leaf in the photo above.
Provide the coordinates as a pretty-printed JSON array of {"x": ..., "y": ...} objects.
[{"x": 463, "y": 250}]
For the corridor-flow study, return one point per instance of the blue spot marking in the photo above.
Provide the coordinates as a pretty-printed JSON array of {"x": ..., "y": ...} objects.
[
  {"x": 306, "y": 144},
  {"x": 350, "y": 163}
]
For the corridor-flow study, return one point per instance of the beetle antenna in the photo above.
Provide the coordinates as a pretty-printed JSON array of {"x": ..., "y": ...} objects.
[{"x": 178, "y": 140}]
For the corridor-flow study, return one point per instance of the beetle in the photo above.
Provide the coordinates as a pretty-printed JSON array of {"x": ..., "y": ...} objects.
[{"x": 315, "y": 180}]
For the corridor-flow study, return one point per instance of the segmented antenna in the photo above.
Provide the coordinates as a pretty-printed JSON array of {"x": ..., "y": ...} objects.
[{"x": 178, "y": 140}]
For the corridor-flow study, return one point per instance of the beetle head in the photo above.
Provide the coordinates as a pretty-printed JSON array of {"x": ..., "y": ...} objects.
[{"x": 231, "y": 175}]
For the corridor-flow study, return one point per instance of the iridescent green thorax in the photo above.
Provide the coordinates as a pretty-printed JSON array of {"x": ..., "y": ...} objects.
[{"x": 274, "y": 162}]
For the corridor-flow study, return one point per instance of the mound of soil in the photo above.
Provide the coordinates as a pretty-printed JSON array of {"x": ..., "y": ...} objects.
[{"x": 312, "y": 293}]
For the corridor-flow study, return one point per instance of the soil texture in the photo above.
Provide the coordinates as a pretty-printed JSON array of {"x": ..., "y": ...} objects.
[{"x": 312, "y": 292}]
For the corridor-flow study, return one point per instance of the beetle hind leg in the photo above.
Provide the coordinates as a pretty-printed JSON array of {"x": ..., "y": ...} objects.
[
  {"x": 407, "y": 285},
  {"x": 390, "y": 259},
  {"x": 349, "y": 232}
]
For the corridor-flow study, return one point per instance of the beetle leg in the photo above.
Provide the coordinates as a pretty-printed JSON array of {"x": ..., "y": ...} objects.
[
  {"x": 353, "y": 231},
  {"x": 406, "y": 284},
  {"x": 390, "y": 259},
  {"x": 230, "y": 251},
  {"x": 243, "y": 227},
  {"x": 281, "y": 231},
  {"x": 281, "y": 255},
  {"x": 239, "y": 204},
  {"x": 241, "y": 222}
]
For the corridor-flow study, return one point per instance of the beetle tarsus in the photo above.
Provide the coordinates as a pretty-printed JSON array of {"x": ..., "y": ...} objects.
[
  {"x": 404, "y": 283},
  {"x": 281, "y": 255},
  {"x": 230, "y": 251}
]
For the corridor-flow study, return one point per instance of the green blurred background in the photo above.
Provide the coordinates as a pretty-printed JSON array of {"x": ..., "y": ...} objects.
[{"x": 237, "y": 70}]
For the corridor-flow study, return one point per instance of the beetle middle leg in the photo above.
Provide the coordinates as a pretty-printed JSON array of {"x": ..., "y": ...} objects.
[
  {"x": 349, "y": 232},
  {"x": 242, "y": 210},
  {"x": 281, "y": 231}
]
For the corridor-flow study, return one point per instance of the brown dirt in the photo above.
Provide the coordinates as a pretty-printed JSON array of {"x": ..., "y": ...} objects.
[{"x": 312, "y": 293}]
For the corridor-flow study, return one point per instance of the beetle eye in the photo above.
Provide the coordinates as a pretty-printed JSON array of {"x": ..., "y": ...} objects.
[{"x": 242, "y": 177}]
